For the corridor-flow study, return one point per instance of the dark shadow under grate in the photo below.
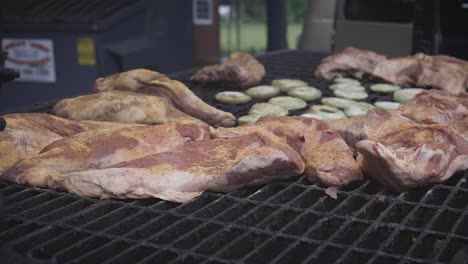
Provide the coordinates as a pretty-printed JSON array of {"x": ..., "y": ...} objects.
[{"x": 281, "y": 222}]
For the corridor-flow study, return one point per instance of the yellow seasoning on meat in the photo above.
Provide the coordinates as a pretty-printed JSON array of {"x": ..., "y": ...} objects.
[{"x": 86, "y": 51}]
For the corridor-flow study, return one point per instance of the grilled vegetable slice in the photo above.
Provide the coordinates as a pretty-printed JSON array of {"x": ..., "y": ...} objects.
[
  {"x": 387, "y": 106},
  {"x": 337, "y": 102},
  {"x": 347, "y": 87},
  {"x": 357, "y": 109},
  {"x": 264, "y": 109},
  {"x": 384, "y": 88},
  {"x": 404, "y": 95},
  {"x": 288, "y": 102},
  {"x": 262, "y": 91},
  {"x": 232, "y": 97},
  {"x": 247, "y": 119},
  {"x": 347, "y": 80},
  {"x": 285, "y": 84},
  {"x": 325, "y": 112},
  {"x": 351, "y": 95},
  {"x": 306, "y": 93}
]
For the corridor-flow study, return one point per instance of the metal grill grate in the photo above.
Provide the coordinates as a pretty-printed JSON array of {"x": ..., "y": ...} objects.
[{"x": 281, "y": 222}]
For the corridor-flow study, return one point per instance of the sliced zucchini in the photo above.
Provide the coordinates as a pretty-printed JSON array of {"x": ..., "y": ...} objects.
[
  {"x": 263, "y": 91},
  {"x": 337, "y": 102},
  {"x": 347, "y": 87},
  {"x": 347, "y": 80},
  {"x": 404, "y": 95},
  {"x": 264, "y": 109},
  {"x": 325, "y": 112},
  {"x": 384, "y": 88},
  {"x": 351, "y": 95},
  {"x": 387, "y": 106},
  {"x": 288, "y": 102},
  {"x": 285, "y": 84},
  {"x": 357, "y": 109},
  {"x": 232, "y": 97},
  {"x": 247, "y": 119},
  {"x": 306, "y": 93}
]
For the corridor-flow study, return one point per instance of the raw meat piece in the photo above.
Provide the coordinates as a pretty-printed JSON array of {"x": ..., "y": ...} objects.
[
  {"x": 240, "y": 71},
  {"x": 102, "y": 148},
  {"x": 189, "y": 170},
  {"x": 328, "y": 159},
  {"x": 375, "y": 123},
  {"x": 438, "y": 107},
  {"x": 350, "y": 61},
  {"x": 26, "y": 134},
  {"x": 121, "y": 106},
  {"x": 413, "y": 156},
  {"x": 441, "y": 72},
  {"x": 154, "y": 83}
]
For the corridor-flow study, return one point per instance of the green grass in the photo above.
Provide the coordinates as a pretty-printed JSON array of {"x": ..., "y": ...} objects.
[{"x": 253, "y": 37}]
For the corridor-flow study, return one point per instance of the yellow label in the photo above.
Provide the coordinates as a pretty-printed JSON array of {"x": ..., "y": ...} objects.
[{"x": 86, "y": 51}]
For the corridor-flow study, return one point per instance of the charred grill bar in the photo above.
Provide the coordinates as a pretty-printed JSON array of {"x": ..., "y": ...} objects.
[{"x": 281, "y": 222}]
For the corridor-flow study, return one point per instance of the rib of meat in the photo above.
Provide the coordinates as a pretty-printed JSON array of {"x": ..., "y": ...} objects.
[
  {"x": 413, "y": 156},
  {"x": 350, "y": 61},
  {"x": 26, "y": 134},
  {"x": 102, "y": 148},
  {"x": 328, "y": 159},
  {"x": 154, "y": 83},
  {"x": 440, "y": 72},
  {"x": 189, "y": 170},
  {"x": 438, "y": 107},
  {"x": 240, "y": 71},
  {"x": 121, "y": 106}
]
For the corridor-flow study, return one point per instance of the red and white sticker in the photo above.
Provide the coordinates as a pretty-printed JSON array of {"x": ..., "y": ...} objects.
[{"x": 33, "y": 58}]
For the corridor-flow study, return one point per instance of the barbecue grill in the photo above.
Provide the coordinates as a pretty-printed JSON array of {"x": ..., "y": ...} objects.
[{"x": 292, "y": 221}]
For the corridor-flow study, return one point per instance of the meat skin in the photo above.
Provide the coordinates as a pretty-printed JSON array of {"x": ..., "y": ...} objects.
[{"x": 189, "y": 170}]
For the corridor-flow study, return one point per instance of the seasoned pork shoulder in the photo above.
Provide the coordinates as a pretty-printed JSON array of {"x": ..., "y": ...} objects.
[
  {"x": 440, "y": 72},
  {"x": 189, "y": 170},
  {"x": 26, "y": 134},
  {"x": 121, "y": 106},
  {"x": 240, "y": 71},
  {"x": 154, "y": 83},
  {"x": 327, "y": 157},
  {"x": 414, "y": 156},
  {"x": 438, "y": 107},
  {"x": 102, "y": 148}
]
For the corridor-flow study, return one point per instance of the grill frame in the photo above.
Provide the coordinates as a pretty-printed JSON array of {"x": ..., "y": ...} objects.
[{"x": 289, "y": 221}]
